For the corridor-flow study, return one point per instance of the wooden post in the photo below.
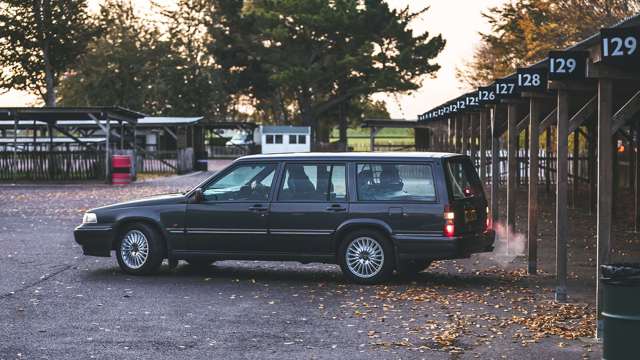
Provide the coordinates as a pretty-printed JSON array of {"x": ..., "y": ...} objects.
[
  {"x": 532, "y": 223},
  {"x": 464, "y": 122},
  {"x": 525, "y": 159},
  {"x": 456, "y": 133},
  {"x": 547, "y": 163},
  {"x": 372, "y": 138},
  {"x": 605, "y": 173},
  {"x": 593, "y": 178},
  {"x": 562, "y": 219},
  {"x": 483, "y": 147},
  {"x": 495, "y": 166},
  {"x": 636, "y": 178},
  {"x": 512, "y": 164},
  {"x": 107, "y": 162},
  {"x": 449, "y": 134},
  {"x": 472, "y": 137},
  {"x": 575, "y": 164}
]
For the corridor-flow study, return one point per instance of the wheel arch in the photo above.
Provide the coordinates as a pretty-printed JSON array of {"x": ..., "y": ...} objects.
[
  {"x": 125, "y": 222},
  {"x": 362, "y": 224}
]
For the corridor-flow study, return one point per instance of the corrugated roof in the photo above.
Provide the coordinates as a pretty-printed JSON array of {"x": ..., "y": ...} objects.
[{"x": 278, "y": 129}]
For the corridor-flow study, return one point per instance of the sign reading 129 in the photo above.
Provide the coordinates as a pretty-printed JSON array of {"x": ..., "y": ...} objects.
[
  {"x": 565, "y": 65},
  {"x": 620, "y": 45}
]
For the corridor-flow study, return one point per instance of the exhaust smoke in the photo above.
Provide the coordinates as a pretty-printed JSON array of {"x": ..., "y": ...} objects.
[{"x": 509, "y": 244}]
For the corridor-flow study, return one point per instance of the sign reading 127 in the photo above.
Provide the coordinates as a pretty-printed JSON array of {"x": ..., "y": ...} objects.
[{"x": 505, "y": 88}]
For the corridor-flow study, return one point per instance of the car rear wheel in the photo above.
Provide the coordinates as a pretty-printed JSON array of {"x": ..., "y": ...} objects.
[
  {"x": 366, "y": 257},
  {"x": 140, "y": 250}
]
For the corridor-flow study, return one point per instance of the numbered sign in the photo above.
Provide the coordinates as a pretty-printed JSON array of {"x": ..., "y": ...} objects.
[
  {"x": 505, "y": 89},
  {"x": 620, "y": 46},
  {"x": 567, "y": 65},
  {"x": 530, "y": 79},
  {"x": 487, "y": 95},
  {"x": 462, "y": 104},
  {"x": 471, "y": 101}
]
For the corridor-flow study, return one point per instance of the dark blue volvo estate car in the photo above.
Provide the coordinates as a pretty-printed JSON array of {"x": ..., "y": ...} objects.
[{"x": 371, "y": 213}]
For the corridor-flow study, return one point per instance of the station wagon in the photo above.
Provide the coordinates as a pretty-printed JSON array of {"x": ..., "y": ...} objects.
[{"x": 370, "y": 213}]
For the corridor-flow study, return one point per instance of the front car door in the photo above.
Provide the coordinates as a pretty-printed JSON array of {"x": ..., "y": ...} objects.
[
  {"x": 234, "y": 213},
  {"x": 310, "y": 205}
]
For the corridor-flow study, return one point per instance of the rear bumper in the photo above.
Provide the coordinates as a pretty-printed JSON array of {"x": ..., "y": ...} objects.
[
  {"x": 413, "y": 246},
  {"x": 96, "y": 240}
]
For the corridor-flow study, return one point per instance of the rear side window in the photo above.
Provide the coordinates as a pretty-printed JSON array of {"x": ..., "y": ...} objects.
[
  {"x": 463, "y": 180},
  {"x": 314, "y": 183},
  {"x": 395, "y": 182}
]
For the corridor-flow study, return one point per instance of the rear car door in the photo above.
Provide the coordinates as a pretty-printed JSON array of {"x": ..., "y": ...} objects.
[
  {"x": 311, "y": 203},
  {"x": 234, "y": 213},
  {"x": 403, "y": 195}
]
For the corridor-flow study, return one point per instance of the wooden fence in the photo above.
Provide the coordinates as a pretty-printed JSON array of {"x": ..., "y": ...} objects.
[{"x": 51, "y": 165}]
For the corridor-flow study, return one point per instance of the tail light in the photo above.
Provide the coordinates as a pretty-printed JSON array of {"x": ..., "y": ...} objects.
[
  {"x": 487, "y": 224},
  {"x": 449, "y": 225}
]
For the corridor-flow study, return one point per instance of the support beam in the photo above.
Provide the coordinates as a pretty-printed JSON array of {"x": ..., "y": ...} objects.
[
  {"x": 372, "y": 138},
  {"x": 605, "y": 182},
  {"x": 456, "y": 133},
  {"x": 472, "y": 137},
  {"x": 535, "y": 114},
  {"x": 562, "y": 219},
  {"x": 636, "y": 179},
  {"x": 626, "y": 112},
  {"x": 549, "y": 120},
  {"x": 483, "y": 147},
  {"x": 575, "y": 164},
  {"x": 512, "y": 165},
  {"x": 495, "y": 166},
  {"x": 583, "y": 114},
  {"x": 464, "y": 123}
]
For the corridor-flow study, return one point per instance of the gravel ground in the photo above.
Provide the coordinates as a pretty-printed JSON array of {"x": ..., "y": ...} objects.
[{"x": 57, "y": 304}]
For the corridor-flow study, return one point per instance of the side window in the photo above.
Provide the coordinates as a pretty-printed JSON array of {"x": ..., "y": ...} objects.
[
  {"x": 292, "y": 139},
  {"x": 278, "y": 139},
  {"x": 314, "y": 183},
  {"x": 302, "y": 139},
  {"x": 243, "y": 183},
  {"x": 269, "y": 139},
  {"x": 395, "y": 182}
]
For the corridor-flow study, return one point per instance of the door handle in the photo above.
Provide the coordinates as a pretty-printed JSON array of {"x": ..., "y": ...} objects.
[
  {"x": 336, "y": 208},
  {"x": 258, "y": 208}
]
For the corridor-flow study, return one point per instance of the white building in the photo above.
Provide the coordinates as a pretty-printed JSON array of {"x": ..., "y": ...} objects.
[{"x": 285, "y": 139}]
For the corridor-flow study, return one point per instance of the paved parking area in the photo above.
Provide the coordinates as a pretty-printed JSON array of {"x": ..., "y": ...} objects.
[{"x": 57, "y": 304}]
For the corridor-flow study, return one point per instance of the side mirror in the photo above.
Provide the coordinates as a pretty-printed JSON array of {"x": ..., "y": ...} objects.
[{"x": 198, "y": 197}]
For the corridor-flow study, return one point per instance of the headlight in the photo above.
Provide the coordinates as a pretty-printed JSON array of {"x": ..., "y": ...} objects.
[{"x": 89, "y": 218}]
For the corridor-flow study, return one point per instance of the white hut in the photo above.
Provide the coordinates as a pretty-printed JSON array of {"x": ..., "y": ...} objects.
[{"x": 285, "y": 139}]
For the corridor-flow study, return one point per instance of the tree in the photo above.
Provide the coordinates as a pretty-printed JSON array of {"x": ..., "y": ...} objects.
[
  {"x": 120, "y": 67},
  {"x": 321, "y": 54},
  {"x": 524, "y": 31},
  {"x": 39, "y": 41}
]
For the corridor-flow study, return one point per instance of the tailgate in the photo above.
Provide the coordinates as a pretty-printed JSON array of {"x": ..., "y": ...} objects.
[{"x": 466, "y": 195}]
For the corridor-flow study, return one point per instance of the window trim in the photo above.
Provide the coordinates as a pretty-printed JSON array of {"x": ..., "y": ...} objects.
[
  {"x": 276, "y": 197},
  {"x": 423, "y": 163},
  {"x": 232, "y": 167}
]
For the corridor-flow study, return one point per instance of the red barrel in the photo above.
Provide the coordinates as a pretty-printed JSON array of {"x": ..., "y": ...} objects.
[{"x": 121, "y": 170}]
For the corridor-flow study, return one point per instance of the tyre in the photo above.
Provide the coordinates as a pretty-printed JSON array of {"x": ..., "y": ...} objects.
[
  {"x": 366, "y": 257},
  {"x": 413, "y": 267},
  {"x": 140, "y": 250},
  {"x": 199, "y": 262}
]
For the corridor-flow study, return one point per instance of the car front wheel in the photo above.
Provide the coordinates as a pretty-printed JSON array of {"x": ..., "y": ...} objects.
[
  {"x": 366, "y": 257},
  {"x": 140, "y": 250}
]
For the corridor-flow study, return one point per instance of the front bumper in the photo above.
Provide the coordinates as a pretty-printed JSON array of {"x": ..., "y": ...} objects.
[
  {"x": 95, "y": 239},
  {"x": 413, "y": 247}
]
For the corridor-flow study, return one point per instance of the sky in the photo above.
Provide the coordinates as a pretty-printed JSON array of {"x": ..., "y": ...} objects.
[{"x": 459, "y": 22}]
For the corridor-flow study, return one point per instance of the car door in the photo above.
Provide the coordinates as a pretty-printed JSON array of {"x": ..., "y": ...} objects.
[
  {"x": 401, "y": 195},
  {"x": 310, "y": 205},
  {"x": 233, "y": 215}
]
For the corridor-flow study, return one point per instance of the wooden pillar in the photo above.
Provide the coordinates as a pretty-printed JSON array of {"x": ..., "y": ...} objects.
[
  {"x": 562, "y": 220},
  {"x": 464, "y": 122},
  {"x": 483, "y": 146},
  {"x": 593, "y": 178},
  {"x": 372, "y": 138},
  {"x": 605, "y": 185},
  {"x": 575, "y": 164},
  {"x": 450, "y": 129},
  {"x": 495, "y": 166},
  {"x": 547, "y": 163},
  {"x": 512, "y": 146},
  {"x": 472, "y": 137},
  {"x": 107, "y": 162},
  {"x": 532, "y": 223},
  {"x": 636, "y": 178}
]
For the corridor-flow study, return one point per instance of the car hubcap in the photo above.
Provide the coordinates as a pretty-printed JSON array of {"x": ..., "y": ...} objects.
[
  {"x": 134, "y": 249},
  {"x": 365, "y": 257}
]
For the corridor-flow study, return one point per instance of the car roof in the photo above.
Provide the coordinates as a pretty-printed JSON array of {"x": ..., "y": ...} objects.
[{"x": 351, "y": 156}]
